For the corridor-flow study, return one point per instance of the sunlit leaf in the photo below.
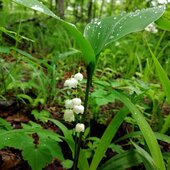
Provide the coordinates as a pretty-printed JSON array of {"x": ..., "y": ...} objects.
[{"x": 104, "y": 31}]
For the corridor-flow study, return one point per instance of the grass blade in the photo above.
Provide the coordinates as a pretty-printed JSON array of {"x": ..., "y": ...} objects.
[
  {"x": 123, "y": 160},
  {"x": 166, "y": 125},
  {"x": 162, "y": 76},
  {"x": 146, "y": 130},
  {"x": 107, "y": 137},
  {"x": 147, "y": 159}
]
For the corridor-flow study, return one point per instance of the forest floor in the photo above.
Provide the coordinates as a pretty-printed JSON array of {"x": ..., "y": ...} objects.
[{"x": 15, "y": 114}]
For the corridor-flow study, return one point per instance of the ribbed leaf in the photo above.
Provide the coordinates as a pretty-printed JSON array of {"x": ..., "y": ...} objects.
[
  {"x": 104, "y": 31},
  {"x": 88, "y": 53}
]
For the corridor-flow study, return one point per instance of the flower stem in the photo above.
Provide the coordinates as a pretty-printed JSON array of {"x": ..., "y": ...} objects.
[{"x": 90, "y": 70}]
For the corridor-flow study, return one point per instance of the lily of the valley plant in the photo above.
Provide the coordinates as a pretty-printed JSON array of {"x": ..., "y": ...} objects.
[{"x": 97, "y": 35}]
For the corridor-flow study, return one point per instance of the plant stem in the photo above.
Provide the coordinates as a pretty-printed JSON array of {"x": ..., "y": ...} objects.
[{"x": 90, "y": 70}]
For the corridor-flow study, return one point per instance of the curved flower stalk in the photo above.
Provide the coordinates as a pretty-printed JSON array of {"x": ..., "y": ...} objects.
[{"x": 74, "y": 107}]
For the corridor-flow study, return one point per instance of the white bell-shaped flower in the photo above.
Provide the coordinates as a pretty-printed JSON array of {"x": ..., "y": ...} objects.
[
  {"x": 69, "y": 104},
  {"x": 71, "y": 83},
  {"x": 78, "y": 76},
  {"x": 76, "y": 101},
  {"x": 80, "y": 127},
  {"x": 68, "y": 115},
  {"x": 67, "y": 83},
  {"x": 78, "y": 109}
]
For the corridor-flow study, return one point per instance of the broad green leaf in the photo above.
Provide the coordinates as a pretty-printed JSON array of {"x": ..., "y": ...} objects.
[
  {"x": 122, "y": 161},
  {"x": 88, "y": 53},
  {"x": 38, "y": 157},
  {"x": 162, "y": 76},
  {"x": 107, "y": 138},
  {"x": 104, "y": 31},
  {"x": 146, "y": 130}
]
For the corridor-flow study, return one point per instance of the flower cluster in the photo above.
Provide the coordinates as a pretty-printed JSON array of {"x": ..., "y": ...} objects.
[
  {"x": 151, "y": 28},
  {"x": 74, "y": 106},
  {"x": 73, "y": 82}
]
